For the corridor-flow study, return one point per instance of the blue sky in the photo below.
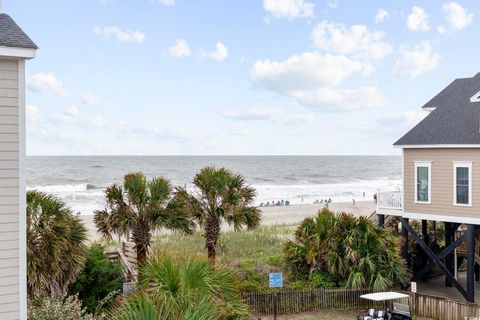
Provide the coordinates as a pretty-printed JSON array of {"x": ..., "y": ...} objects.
[{"x": 293, "y": 77}]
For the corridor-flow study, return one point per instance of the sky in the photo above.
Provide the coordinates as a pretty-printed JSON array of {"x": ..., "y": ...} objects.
[{"x": 237, "y": 77}]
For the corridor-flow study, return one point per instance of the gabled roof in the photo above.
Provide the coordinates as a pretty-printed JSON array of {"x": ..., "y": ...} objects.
[
  {"x": 455, "y": 119},
  {"x": 11, "y": 35}
]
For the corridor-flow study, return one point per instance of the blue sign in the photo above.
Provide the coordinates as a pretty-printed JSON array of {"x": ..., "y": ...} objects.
[
  {"x": 275, "y": 280},
  {"x": 128, "y": 288}
]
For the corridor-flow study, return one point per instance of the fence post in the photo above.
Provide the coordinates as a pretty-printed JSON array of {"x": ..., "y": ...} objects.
[{"x": 275, "y": 305}]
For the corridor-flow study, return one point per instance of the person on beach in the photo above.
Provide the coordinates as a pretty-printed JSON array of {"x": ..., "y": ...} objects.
[{"x": 353, "y": 200}]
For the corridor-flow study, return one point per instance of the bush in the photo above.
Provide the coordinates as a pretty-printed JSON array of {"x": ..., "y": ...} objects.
[
  {"x": 98, "y": 279},
  {"x": 173, "y": 287},
  {"x": 69, "y": 308},
  {"x": 344, "y": 250}
]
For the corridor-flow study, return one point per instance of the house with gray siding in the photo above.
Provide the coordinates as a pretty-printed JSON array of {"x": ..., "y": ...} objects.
[
  {"x": 441, "y": 183},
  {"x": 15, "y": 48}
]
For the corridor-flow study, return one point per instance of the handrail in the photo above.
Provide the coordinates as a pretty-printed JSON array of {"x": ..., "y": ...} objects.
[
  {"x": 126, "y": 264},
  {"x": 389, "y": 200}
]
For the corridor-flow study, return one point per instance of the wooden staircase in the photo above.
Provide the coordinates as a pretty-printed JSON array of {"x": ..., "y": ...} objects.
[
  {"x": 127, "y": 256},
  {"x": 462, "y": 248},
  {"x": 389, "y": 221}
]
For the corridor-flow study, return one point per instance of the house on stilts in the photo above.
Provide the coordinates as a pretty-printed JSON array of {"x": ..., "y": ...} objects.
[{"x": 441, "y": 183}]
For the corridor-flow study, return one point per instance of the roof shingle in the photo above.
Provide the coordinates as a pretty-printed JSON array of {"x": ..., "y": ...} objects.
[
  {"x": 11, "y": 35},
  {"x": 455, "y": 119}
]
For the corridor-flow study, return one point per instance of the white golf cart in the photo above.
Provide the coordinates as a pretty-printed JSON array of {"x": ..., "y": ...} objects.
[{"x": 394, "y": 306}]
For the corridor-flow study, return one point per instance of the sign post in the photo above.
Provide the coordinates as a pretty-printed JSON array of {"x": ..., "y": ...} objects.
[{"x": 275, "y": 280}]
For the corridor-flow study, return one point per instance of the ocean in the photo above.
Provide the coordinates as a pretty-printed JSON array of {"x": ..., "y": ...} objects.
[{"x": 80, "y": 180}]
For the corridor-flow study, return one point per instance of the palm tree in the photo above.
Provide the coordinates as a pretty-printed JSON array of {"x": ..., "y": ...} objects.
[
  {"x": 140, "y": 207},
  {"x": 55, "y": 245},
  {"x": 220, "y": 196},
  {"x": 172, "y": 288}
]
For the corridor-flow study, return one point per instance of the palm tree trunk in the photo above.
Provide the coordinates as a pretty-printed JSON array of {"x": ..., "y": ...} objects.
[
  {"x": 212, "y": 232},
  {"x": 141, "y": 237}
]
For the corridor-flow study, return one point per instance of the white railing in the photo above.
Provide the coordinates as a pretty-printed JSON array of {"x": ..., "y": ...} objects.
[{"x": 389, "y": 200}]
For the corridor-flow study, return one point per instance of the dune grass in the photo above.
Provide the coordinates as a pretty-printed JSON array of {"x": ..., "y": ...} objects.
[{"x": 253, "y": 254}]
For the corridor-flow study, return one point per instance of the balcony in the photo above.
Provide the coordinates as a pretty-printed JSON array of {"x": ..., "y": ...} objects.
[{"x": 389, "y": 200}]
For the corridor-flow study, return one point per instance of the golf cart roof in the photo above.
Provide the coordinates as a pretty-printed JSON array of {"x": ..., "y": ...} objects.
[{"x": 382, "y": 296}]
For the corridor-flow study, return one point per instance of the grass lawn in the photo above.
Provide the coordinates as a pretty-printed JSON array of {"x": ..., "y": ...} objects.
[{"x": 253, "y": 254}]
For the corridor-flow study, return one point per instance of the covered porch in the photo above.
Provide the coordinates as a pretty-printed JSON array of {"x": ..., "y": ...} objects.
[{"x": 460, "y": 246}]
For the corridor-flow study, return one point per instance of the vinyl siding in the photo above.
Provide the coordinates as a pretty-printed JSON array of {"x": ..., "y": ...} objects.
[
  {"x": 442, "y": 182},
  {"x": 9, "y": 190}
]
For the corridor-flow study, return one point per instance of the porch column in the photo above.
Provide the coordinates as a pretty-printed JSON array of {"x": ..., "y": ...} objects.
[
  {"x": 471, "y": 262},
  {"x": 381, "y": 219},
  {"x": 477, "y": 272},
  {"x": 426, "y": 238},
  {"x": 448, "y": 258},
  {"x": 425, "y": 235},
  {"x": 404, "y": 251}
]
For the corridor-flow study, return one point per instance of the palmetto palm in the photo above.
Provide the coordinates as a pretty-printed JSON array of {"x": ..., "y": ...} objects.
[
  {"x": 220, "y": 195},
  {"x": 138, "y": 208},
  {"x": 349, "y": 247},
  {"x": 172, "y": 288},
  {"x": 55, "y": 245}
]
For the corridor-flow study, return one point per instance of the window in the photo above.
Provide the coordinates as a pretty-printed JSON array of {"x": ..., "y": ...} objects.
[
  {"x": 462, "y": 180},
  {"x": 423, "y": 174}
]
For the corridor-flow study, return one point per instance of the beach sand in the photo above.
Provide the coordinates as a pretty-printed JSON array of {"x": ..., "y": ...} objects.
[{"x": 277, "y": 215}]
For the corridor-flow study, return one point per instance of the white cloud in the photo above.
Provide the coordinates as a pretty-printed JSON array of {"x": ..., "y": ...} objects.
[
  {"x": 220, "y": 53},
  {"x": 180, "y": 49},
  {"x": 237, "y": 131},
  {"x": 418, "y": 20},
  {"x": 309, "y": 78},
  {"x": 332, "y": 4},
  {"x": 119, "y": 34},
  {"x": 91, "y": 99},
  {"x": 297, "y": 119},
  {"x": 46, "y": 83},
  {"x": 260, "y": 113},
  {"x": 308, "y": 70},
  {"x": 167, "y": 3},
  {"x": 32, "y": 113},
  {"x": 341, "y": 99},
  {"x": 356, "y": 40},
  {"x": 381, "y": 15},
  {"x": 418, "y": 60},
  {"x": 96, "y": 122},
  {"x": 457, "y": 16},
  {"x": 403, "y": 119},
  {"x": 289, "y": 9},
  {"x": 104, "y": 1},
  {"x": 73, "y": 111},
  {"x": 441, "y": 30}
]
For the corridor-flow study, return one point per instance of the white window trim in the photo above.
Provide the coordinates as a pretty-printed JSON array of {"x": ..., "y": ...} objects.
[
  {"x": 462, "y": 164},
  {"x": 427, "y": 164}
]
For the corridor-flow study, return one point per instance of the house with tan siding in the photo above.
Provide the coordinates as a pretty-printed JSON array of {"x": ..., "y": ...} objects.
[
  {"x": 15, "y": 48},
  {"x": 441, "y": 183}
]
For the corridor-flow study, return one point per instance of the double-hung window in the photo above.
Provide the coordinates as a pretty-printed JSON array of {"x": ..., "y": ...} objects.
[
  {"x": 462, "y": 183},
  {"x": 423, "y": 178}
]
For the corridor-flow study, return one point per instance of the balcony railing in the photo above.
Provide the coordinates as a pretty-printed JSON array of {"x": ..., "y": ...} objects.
[{"x": 391, "y": 200}]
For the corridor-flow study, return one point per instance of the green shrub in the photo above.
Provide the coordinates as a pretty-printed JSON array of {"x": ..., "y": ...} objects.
[
  {"x": 324, "y": 280},
  {"x": 276, "y": 260},
  {"x": 69, "y": 308},
  {"x": 98, "y": 279},
  {"x": 352, "y": 250}
]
